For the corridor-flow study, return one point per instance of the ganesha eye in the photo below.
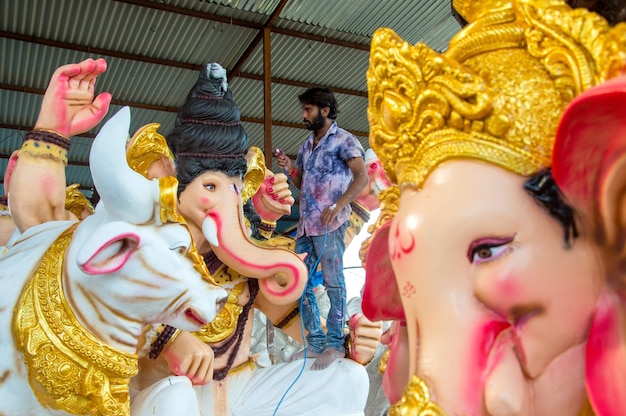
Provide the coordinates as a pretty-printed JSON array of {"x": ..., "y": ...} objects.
[{"x": 487, "y": 249}]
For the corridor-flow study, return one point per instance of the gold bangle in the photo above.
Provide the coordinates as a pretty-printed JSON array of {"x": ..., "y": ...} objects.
[
  {"x": 176, "y": 334},
  {"x": 46, "y": 144},
  {"x": 36, "y": 148},
  {"x": 350, "y": 352},
  {"x": 266, "y": 228}
]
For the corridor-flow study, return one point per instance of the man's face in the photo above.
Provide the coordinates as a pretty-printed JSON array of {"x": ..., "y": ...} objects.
[
  {"x": 491, "y": 295},
  {"x": 312, "y": 117}
]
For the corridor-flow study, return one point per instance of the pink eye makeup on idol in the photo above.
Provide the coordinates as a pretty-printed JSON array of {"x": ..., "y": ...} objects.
[{"x": 489, "y": 248}]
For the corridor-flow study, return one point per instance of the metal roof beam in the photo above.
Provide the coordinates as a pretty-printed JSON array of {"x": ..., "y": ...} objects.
[
  {"x": 159, "y": 61},
  {"x": 257, "y": 39},
  {"x": 244, "y": 23},
  {"x": 167, "y": 109}
]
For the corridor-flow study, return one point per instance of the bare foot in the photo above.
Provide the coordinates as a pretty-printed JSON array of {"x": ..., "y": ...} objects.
[
  {"x": 326, "y": 358},
  {"x": 300, "y": 355}
]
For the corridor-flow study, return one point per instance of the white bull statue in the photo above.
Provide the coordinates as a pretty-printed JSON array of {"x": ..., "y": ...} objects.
[{"x": 76, "y": 297}]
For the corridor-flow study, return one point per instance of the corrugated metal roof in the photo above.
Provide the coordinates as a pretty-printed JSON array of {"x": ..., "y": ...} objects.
[{"x": 154, "y": 47}]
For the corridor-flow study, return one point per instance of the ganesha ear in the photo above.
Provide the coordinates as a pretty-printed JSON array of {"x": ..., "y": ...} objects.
[
  {"x": 381, "y": 297},
  {"x": 606, "y": 357},
  {"x": 9, "y": 170},
  {"x": 161, "y": 168},
  {"x": 612, "y": 203}
]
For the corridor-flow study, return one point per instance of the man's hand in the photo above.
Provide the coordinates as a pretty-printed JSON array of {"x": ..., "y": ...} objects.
[
  {"x": 68, "y": 106},
  {"x": 273, "y": 199},
  {"x": 283, "y": 161},
  {"x": 330, "y": 213},
  {"x": 364, "y": 338},
  {"x": 188, "y": 356}
]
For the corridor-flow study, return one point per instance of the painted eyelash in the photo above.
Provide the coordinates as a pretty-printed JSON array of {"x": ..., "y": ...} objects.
[{"x": 489, "y": 242}]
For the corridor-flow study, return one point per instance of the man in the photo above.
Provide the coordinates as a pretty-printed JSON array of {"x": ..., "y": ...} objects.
[{"x": 330, "y": 172}]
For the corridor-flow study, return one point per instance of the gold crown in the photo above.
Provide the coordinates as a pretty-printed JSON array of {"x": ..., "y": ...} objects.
[{"x": 495, "y": 95}]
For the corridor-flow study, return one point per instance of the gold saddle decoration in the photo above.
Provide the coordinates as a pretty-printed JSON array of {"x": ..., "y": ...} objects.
[
  {"x": 68, "y": 368},
  {"x": 496, "y": 95}
]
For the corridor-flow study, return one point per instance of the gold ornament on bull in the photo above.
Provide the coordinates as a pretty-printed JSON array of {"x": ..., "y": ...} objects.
[{"x": 495, "y": 95}]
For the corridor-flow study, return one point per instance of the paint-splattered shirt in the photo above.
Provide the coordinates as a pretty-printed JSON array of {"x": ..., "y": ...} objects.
[{"x": 325, "y": 177}]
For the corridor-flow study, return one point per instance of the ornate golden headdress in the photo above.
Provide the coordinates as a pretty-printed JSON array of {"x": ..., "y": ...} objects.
[
  {"x": 496, "y": 94},
  {"x": 146, "y": 147}
]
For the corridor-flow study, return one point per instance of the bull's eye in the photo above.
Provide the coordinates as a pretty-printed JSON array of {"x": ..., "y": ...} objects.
[{"x": 180, "y": 249}]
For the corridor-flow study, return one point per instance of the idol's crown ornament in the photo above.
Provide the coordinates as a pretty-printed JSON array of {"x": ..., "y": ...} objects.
[{"x": 496, "y": 94}]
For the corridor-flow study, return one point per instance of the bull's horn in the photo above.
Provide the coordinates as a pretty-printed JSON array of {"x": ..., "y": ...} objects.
[{"x": 125, "y": 193}]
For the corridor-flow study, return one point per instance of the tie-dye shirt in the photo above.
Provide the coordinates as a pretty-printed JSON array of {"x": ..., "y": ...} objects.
[{"x": 325, "y": 177}]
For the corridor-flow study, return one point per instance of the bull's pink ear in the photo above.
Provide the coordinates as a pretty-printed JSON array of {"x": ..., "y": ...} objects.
[
  {"x": 605, "y": 372},
  {"x": 381, "y": 297},
  {"x": 108, "y": 249},
  {"x": 111, "y": 256}
]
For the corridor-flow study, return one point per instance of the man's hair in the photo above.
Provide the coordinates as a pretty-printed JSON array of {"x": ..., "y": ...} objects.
[{"x": 321, "y": 97}]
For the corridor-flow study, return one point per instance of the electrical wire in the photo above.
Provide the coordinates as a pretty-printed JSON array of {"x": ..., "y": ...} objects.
[{"x": 309, "y": 278}]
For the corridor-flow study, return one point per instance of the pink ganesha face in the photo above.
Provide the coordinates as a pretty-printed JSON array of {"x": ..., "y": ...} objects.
[{"x": 497, "y": 303}]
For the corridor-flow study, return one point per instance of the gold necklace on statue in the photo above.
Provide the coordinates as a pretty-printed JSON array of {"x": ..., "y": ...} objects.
[
  {"x": 225, "y": 322},
  {"x": 68, "y": 368}
]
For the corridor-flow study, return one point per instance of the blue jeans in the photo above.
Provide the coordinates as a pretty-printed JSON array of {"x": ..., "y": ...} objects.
[{"x": 332, "y": 272}]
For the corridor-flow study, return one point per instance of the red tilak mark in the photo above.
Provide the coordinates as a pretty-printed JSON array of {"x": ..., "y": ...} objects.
[
  {"x": 408, "y": 290},
  {"x": 396, "y": 254}
]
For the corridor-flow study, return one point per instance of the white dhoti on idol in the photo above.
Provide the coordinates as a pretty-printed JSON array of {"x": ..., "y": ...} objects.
[{"x": 339, "y": 390}]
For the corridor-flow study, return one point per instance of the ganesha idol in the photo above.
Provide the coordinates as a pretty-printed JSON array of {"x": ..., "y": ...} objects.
[{"x": 498, "y": 303}]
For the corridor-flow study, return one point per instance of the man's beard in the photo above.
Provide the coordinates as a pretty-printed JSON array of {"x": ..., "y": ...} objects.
[{"x": 317, "y": 124}]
